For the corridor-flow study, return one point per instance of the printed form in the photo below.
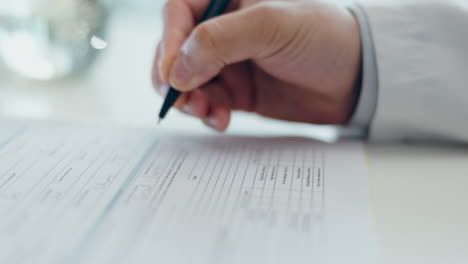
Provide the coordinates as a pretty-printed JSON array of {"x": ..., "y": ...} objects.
[{"x": 74, "y": 194}]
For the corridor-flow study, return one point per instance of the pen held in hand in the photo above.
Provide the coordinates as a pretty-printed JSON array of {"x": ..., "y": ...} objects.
[{"x": 216, "y": 7}]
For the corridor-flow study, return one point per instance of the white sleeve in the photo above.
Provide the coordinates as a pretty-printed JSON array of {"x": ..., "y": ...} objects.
[
  {"x": 365, "y": 108},
  {"x": 421, "y": 50}
]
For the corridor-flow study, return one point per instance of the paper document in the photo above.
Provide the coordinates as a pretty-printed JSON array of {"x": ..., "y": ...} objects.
[{"x": 72, "y": 194}]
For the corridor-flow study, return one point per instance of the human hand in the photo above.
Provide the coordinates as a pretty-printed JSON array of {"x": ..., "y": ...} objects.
[{"x": 295, "y": 60}]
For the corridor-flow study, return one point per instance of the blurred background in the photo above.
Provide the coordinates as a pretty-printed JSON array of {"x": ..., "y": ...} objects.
[
  {"x": 47, "y": 76},
  {"x": 90, "y": 61}
]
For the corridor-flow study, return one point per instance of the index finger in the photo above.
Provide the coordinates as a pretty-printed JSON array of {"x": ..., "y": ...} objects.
[{"x": 180, "y": 18}]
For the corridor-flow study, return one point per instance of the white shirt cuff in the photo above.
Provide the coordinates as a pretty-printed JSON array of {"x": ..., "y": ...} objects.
[{"x": 367, "y": 102}]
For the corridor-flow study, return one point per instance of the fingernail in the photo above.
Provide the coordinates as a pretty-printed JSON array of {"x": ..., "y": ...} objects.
[
  {"x": 182, "y": 72},
  {"x": 163, "y": 89},
  {"x": 161, "y": 71},
  {"x": 188, "y": 110},
  {"x": 211, "y": 122}
]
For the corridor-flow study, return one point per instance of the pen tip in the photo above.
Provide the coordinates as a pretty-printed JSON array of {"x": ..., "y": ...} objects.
[{"x": 159, "y": 121}]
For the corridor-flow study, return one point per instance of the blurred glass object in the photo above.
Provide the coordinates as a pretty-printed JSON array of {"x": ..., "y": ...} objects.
[
  {"x": 50, "y": 39},
  {"x": 145, "y": 7}
]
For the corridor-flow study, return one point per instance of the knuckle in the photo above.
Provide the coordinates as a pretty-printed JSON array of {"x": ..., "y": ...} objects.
[
  {"x": 204, "y": 35},
  {"x": 270, "y": 25},
  {"x": 266, "y": 10},
  {"x": 211, "y": 36}
]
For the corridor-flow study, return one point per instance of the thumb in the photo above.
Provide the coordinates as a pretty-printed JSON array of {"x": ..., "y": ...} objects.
[{"x": 228, "y": 39}]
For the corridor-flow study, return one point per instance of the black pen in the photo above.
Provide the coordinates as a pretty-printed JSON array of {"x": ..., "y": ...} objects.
[{"x": 216, "y": 8}]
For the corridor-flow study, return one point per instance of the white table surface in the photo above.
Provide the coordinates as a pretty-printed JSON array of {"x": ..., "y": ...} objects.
[{"x": 420, "y": 192}]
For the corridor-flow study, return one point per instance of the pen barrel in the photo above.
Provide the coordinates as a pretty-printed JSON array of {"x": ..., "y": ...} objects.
[
  {"x": 171, "y": 97},
  {"x": 216, "y": 8}
]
